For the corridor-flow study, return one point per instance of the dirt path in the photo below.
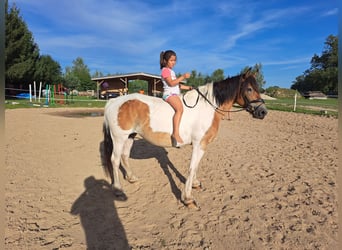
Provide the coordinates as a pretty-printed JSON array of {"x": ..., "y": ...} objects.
[{"x": 267, "y": 184}]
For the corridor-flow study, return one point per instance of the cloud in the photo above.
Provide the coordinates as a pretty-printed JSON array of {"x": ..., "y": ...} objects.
[
  {"x": 293, "y": 61},
  {"x": 269, "y": 19},
  {"x": 331, "y": 12}
]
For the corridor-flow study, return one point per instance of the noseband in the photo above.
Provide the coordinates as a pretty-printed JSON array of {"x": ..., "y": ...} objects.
[{"x": 248, "y": 104}]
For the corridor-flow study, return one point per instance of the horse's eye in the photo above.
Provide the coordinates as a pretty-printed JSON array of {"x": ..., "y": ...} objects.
[{"x": 249, "y": 90}]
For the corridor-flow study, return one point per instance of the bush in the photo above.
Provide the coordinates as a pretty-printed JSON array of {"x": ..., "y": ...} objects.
[{"x": 277, "y": 92}]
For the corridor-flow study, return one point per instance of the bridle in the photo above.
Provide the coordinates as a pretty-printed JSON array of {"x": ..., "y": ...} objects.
[{"x": 248, "y": 107}]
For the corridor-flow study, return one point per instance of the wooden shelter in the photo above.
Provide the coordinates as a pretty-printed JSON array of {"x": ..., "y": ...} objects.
[
  {"x": 314, "y": 95},
  {"x": 120, "y": 83}
]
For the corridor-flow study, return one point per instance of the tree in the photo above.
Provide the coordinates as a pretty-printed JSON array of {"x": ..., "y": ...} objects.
[
  {"x": 195, "y": 79},
  {"x": 21, "y": 52},
  {"x": 48, "y": 70},
  {"x": 198, "y": 79},
  {"x": 257, "y": 68},
  {"x": 71, "y": 81},
  {"x": 323, "y": 73},
  {"x": 217, "y": 75},
  {"x": 136, "y": 85},
  {"x": 78, "y": 76},
  {"x": 97, "y": 74}
]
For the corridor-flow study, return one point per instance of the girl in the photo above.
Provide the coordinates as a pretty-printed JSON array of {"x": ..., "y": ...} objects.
[{"x": 172, "y": 86}]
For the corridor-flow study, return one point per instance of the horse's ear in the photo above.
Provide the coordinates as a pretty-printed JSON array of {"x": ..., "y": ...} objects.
[
  {"x": 256, "y": 73},
  {"x": 247, "y": 73}
]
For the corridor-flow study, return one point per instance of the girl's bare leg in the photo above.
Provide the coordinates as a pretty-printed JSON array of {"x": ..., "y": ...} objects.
[{"x": 176, "y": 104}]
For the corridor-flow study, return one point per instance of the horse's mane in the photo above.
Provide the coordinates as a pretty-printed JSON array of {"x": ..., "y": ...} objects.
[
  {"x": 226, "y": 90},
  {"x": 230, "y": 88}
]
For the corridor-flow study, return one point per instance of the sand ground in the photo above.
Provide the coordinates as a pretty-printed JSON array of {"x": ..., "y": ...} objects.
[{"x": 267, "y": 184}]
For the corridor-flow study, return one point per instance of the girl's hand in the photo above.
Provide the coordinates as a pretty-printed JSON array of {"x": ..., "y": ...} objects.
[{"x": 186, "y": 75}]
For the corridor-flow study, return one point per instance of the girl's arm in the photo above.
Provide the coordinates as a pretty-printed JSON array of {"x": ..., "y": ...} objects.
[
  {"x": 175, "y": 82},
  {"x": 185, "y": 87}
]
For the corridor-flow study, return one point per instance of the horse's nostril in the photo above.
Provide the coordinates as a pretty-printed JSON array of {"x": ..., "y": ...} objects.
[{"x": 261, "y": 113}]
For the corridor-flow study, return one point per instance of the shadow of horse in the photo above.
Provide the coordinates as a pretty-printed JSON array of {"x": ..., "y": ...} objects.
[
  {"x": 99, "y": 219},
  {"x": 144, "y": 150}
]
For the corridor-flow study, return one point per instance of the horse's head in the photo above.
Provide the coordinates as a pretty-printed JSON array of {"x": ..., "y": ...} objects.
[{"x": 249, "y": 96}]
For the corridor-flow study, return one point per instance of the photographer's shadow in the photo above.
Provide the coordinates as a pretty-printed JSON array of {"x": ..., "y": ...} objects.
[{"x": 100, "y": 221}]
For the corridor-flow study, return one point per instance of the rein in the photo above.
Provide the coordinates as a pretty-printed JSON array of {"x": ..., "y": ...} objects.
[
  {"x": 248, "y": 107},
  {"x": 217, "y": 109}
]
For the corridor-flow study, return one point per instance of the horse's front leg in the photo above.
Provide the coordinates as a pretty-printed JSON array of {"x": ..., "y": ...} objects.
[{"x": 187, "y": 198}]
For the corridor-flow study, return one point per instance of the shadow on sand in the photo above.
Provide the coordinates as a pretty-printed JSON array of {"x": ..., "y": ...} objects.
[
  {"x": 100, "y": 221},
  {"x": 144, "y": 150}
]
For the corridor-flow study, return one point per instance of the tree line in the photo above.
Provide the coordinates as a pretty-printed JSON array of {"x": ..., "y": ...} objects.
[
  {"x": 24, "y": 64},
  {"x": 323, "y": 73}
]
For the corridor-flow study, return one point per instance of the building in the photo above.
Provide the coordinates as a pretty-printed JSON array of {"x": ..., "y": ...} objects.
[
  {"x": 314, "y": 95},
  {"x": 119, "y": 84}
]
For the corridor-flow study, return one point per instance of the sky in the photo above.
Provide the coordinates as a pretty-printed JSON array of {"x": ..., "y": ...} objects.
[{"x": 116, "y": 36}]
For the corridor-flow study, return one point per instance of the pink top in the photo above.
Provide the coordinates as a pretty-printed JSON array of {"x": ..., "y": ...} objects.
[{"x": 169, "y": 90}]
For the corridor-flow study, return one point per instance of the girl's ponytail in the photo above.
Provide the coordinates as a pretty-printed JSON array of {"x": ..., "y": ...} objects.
[{"x": 162, "y": 60}]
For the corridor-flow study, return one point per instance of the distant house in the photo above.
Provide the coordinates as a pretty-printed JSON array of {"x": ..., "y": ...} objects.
[{"x": 314, "y": 95}]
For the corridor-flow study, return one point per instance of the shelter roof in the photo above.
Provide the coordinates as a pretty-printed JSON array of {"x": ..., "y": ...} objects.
[{"x": 129, "y": 76}]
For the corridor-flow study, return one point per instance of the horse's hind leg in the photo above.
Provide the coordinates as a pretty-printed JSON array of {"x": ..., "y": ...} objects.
[
  {"x": 115, "y": 159},
  {"x": 125, "y": 159}
]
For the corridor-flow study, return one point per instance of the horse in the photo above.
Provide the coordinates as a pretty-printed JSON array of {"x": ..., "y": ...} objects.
[{"x": 151, "y": 118}]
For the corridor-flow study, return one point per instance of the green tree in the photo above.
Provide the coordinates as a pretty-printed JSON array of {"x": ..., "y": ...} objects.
[
  {"x": 136, "y": 85},
  {"x": 97, "y": 74},
  {"x": 217, "y": 75},
  {"x": 196, "y": 79},
  {"x": 323, "y": 73},
  {"x": 71, "y": 81},
  {"x": 78, "y": 76},
  {"x": 48, "y": 70},
  {"x": 21, "y": 52},
  {"x": 257, "y": 68}
]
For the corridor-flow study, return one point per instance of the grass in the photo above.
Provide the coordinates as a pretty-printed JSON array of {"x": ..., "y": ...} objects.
[
  {"x": 71, "y": 102},
  {"x": 306, "y": 106}
]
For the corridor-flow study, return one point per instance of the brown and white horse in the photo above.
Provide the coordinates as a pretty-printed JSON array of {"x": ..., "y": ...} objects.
[{"x": 151, "y": 117}]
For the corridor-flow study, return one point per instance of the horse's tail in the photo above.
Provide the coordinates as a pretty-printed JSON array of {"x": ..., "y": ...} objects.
[{"x": 107, "y": 150}]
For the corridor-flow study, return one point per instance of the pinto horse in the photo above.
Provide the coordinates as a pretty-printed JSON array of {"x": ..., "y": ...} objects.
[{"x": 151, "y": 118}]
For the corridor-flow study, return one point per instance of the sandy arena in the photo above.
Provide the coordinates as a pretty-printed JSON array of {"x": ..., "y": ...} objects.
[{"x": 267, "y": 184}]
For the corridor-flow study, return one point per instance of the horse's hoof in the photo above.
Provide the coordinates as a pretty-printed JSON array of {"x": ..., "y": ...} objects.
[
  {"x": 132, "y": 179},
  {"x": 197, "y": 186},
  {"x": 120, "y": 195},
  {"x": 192, "y": 204}
]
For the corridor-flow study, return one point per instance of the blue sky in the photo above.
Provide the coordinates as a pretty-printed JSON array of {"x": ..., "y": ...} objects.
[{"x": 115, "y": 36}]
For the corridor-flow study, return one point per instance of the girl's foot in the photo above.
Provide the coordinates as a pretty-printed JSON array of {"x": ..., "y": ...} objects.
[{"x": 176, "y": 143}]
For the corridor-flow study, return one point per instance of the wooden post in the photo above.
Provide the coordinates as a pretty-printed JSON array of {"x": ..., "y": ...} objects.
[
  {"x": 30, "y": 91},
  {"x": 40, "y": 91},
  {"x": 34, "y": 91}
]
